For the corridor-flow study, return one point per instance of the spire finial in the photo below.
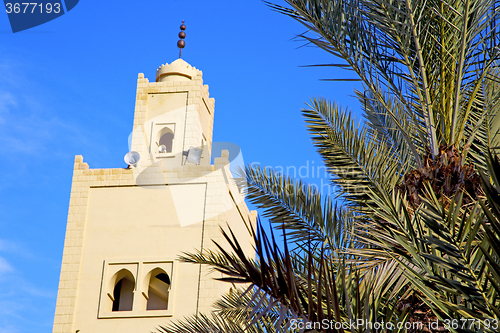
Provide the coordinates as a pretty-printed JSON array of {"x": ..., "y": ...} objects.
[{"x": 181, "y": 43}]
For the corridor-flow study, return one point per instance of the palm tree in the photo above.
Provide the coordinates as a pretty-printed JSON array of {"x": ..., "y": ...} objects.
[{"x": 417, "y": 238}]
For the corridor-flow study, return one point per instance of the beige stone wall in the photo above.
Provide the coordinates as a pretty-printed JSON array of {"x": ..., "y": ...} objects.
[{"x": 143, "y": 218}]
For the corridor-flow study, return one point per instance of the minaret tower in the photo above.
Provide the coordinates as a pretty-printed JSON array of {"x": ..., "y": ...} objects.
[{"x": 127, "y": 226}]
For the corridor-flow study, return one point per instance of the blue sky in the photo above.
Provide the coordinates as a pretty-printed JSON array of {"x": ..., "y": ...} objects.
[{"x": 68, "y": 88}]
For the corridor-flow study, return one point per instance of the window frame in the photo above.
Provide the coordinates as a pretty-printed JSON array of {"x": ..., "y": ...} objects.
[
  {"x": 156, "y": 129},
  {"x": 143, "y": 268}
]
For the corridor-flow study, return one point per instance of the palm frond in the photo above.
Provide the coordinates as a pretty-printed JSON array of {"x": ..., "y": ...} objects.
[
  {"x": 444, "y": 252},
  {"x": 386, "y": 127},
  {"x": 431, "y": 57},
  {"x": 213, "y": 323},
  {"x": 332, "y": 290},
  {"x": 357, "y": 161},
  {"x": 306, "y": 214},
  {"x": 486, "y": 132},
  {"x": 239, "y": 310}
]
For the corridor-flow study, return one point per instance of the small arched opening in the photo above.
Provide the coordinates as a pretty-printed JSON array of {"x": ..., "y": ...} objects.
[
  {"x": 159, "y": 287},
  {"x": 123, "y": 291},
  {"x": 166, "y": 138}
]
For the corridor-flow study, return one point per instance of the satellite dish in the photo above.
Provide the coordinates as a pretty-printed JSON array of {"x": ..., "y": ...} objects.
[
  {"x": 132, "y": 158},
  {"x": 194, "y": 155},
  {"x": 162, "y": 149}
]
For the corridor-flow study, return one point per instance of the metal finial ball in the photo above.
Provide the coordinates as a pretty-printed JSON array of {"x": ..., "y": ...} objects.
[
  {"x": 181, "y": 44},
  {"x": 182, "y": 35},
  {"x": 183, "y": 26}
]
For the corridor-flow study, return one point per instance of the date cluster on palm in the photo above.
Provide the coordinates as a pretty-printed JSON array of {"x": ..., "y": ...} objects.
[{"x": 446, "y": 173}]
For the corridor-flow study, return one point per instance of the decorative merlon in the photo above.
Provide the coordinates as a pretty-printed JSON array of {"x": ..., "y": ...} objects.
[{"x": 79, "y": 165}]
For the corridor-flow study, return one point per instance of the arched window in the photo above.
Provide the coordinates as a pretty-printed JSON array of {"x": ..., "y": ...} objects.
[
  {"x": 166, "y": 139},
  {"x": 123, "y": 292},
  {"x": 159, "y": 286}
]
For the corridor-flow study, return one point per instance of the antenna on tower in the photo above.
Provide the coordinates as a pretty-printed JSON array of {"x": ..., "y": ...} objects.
[{"x": 181, "y": 43}]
